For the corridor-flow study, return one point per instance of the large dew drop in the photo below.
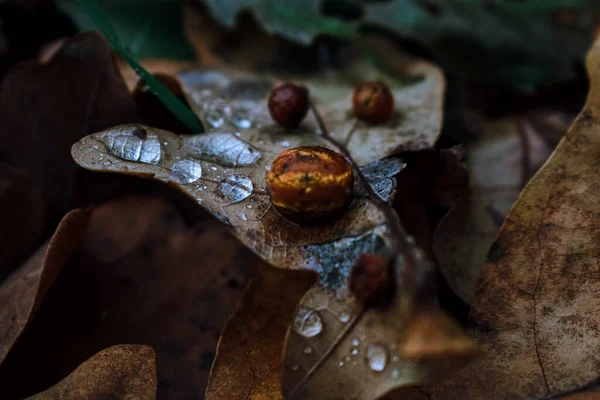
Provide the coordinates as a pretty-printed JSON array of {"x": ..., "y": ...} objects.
[
  {"x": 377, "y": 357},
  {"x": 241, "y": 118},
  {"x": 236, "y": 188},
  {"x": 215, "y": 114},
  {"x": 186, "y": 171},
  {"x": 221, "y": 148},
  {"x": 307, "y": 323},
  {"x": 129, "y": 146}
]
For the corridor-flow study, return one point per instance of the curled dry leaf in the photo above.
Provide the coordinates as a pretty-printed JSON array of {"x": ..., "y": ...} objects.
[
  {"x": 248, "y": 363},
  {"x": 140, "y": 275},
  {"x": 501, "y": 162},
  {"x": 22, "y": 292},
  {"x": 119, "y": 372},
  {"x": 535, "y": 308},
  {"x": 20, "y": 205},
  {"x": 39, "y": 115}
]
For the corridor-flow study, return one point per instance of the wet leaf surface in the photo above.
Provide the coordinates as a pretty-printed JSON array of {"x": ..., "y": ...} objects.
[
  {"x": 140, "y": 275},
  {"x": 119, "y": 372},
  {"x": 248, "y": 363},
  {"x": 23, "y": 291},
  {"x": 501, "y": 162},
  {"x": 534, "y": 312}
]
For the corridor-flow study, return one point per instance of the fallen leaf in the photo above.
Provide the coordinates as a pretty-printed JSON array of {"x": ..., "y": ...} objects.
[
  {"x": 39, "y": 115},
  {"x": 501, "y": 162},
  {"x": 534, "y": 311},
  {"x": 119, "y": 372},
  {"x": 20, "y": 205},
  {"x": 140, "y": 275},
  {"x": 23, "y": 291},
  {"x": 248, "y": 363}
]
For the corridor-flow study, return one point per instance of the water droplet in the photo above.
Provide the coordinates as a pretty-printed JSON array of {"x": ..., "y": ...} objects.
[
  {"x": 123, "y": 144},
  {"x": 241, "y": 118},
  {"x": 395, "y": 374},
  {"x": 355, "y": 342},
  {"x": 249, "y": 206},
  {"x": 165, "y": 143},
  {"x": 213, "y": 168},
  {"x": 236, "y": 188},
  {"x": 221, "y": 148},
  {"x": 204, "y": 187},
  {"x": 377, "y": 357},
  {"x": 307, "y": 350},
  {"x": 395, "y": 358},
  {"x": 347, "y": 359},
  {"x": 215, "y": 114},
  {"x": 95, "y": 146},
  {"x": 267, "y": 167},
  {"x": 285, "y": 143},
  {"x": 341, "y": 364},
  {"x": 294, "y": 367},
  {"x": 410, "y": 239},
  {"x": 354, "y": 352},
  {"x": 186, "y": 171},
  {"x": 393, "y": 347},
  {"x": 307, "y": 322},
  {"x": 344, "y": 317}
]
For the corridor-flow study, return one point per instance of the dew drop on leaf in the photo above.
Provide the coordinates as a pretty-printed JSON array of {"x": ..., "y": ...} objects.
[
  {"x": 221, "y": 148},
  {"x": 132, "y": 148},
  {"x": 186, "y": 171},
  {"x": 307, "y": 350},
  {"x": 215, "y": 114},
  {"x": 377, "y": 357},
  {"x": 344, "y": 317},
  {"x": 354, "y": 352},
  {"x": 355, "y": 342},
  {"x": 307, "y": 322},
  {"x": 241, "y": 118},
  {"x": 236, "y": 188},
  {"x": 395, "y": 374}
]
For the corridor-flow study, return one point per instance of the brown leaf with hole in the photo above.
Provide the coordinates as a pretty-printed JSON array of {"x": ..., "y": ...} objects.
[
  {"x": 501, "y": 162},
  {"x": 248, "y": 363},
  {"x": 141, "y": 275},
  {"x": 535, "y": 308},
  {"x": 119, "y": 372},
  {"x": 20, "y": 206},
  {"x": 39, "y": 115},
  {"x": 23, "y": 291}
]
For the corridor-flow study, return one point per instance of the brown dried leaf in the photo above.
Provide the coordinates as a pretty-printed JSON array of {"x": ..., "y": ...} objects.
[
  {"x": 501, "y": 162},
  {"x": 248, "y": 363},
  {"x": 535, "y": 308},
  {"x": 23, "y": 291},
  {"x": 20, "y": 206},
  {"x": 141, "y": 275},
  {"x": 39, "y": 115},
  {"x": 119, "y": 372}
]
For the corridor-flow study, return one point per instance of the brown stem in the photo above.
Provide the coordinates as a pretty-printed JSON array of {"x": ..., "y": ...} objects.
[{"x": 401, "y": 241}]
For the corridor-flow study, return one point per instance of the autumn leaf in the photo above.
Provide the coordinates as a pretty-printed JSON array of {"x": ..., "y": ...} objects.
[
  {"x": 534, "y": 311},
  {"x": 500, "y": 163},
  {"x": 22, "y": 292},
  {"x": 119, "y": 372}
]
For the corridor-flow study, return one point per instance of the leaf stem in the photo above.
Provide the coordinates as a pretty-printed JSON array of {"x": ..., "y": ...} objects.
[{"x": 402, "y": 243}]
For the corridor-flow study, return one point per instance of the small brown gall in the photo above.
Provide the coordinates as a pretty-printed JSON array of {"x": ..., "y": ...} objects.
[
  {"x": 310, "y": 182},
  {"x": 371, "y": 280},
  {"x": 373, "y": 102},
  {"x": 288, "y": 105}
]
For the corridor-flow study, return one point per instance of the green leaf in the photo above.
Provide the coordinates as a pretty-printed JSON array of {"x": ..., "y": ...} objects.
[
  {"x": 176, "y": 106},
  {"x": 520, "y": 43},
  {"x": 151, "y": 28}
]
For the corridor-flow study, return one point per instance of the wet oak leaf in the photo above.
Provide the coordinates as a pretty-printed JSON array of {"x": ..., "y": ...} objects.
[
  {"x": 535, "y": 307},
  {"x": 23, "y": 291},
  {"x": 248, "y": 362},
  {"x": 224, "y": 169},
  {"x": 119, "y": 372},
  {"x": 500, "y": 162}
]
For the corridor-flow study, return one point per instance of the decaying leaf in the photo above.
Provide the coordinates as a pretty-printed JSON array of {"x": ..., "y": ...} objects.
[
  {"x": 41, "y": 120},
  {"x": 140, "y": 275},
  {"x": 501, "y": 162},
  {"x": 535, "y": 308},
  {"x": 248, "y": 363},
  {"x": 20, "y": 205},
  {"x": 22, "y": 292},
  {"x": 119, "y": 372},
  {"x": 224, "y": 169}
]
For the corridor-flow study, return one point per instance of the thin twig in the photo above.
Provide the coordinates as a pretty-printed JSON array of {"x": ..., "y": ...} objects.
[{"x": 401, "y": 244}]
